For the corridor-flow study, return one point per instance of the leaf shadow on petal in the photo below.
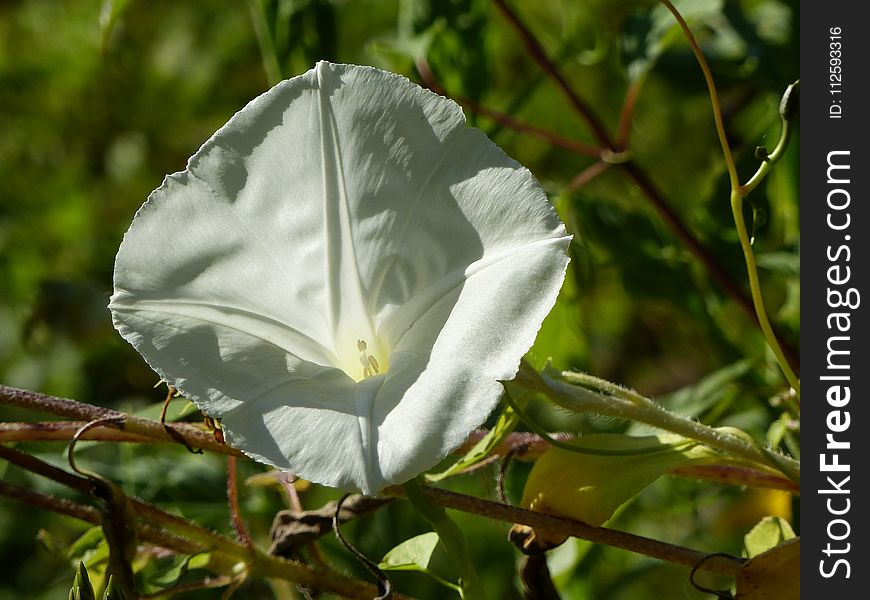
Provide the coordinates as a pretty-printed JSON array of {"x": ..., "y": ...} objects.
[
  {"x": 223, "y": 155},
  {"x": 416, "y": 182}
]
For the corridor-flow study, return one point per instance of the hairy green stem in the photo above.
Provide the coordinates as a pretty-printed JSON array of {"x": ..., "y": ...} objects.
[{"x": 579, "y": 399}]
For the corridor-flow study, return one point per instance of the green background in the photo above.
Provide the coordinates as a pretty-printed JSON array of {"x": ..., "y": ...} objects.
[{"x": 98, "y": 101}]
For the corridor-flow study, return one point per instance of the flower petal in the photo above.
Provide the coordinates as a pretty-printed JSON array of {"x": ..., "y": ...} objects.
[{"x": 344, "y": 211}]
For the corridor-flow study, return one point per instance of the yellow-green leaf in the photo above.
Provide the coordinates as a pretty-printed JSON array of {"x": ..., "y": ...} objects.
[
  {"x": 507, "y": 420},
  {"x": 412, "y": 554},
  {"x": 773, "y": 575},
  {"x": 767, "y": 533},
  {"x": 590, "y": 487}
]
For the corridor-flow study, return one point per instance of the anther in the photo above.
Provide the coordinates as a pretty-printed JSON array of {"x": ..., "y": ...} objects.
[{"x": 369, "y": 363}]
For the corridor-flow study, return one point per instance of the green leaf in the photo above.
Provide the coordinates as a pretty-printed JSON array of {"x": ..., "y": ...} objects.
[
  {"x": 413, "y": 554},
  {"x": 767, "y": 533},
  {"x": 773, "y": 575},
  {"x": 560, "y": 339},
  {"x": 590, "y": 487},
  {"x": 451, "y": 539},
  {"x": 82, "y": 588},
  {"x": 86, "y": 541},
  {"x": 109, "y": 15},
  {"x": 506, "y": 423},
  {"x": 113, "y": 592},
  {"x": 787, "y": 263},
  {"x": 51, "y": 544}
]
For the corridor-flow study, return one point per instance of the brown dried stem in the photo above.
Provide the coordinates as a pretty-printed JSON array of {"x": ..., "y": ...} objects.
[
  {"x": 564, "y": 526},
  {"x": 192, "y": 435}
]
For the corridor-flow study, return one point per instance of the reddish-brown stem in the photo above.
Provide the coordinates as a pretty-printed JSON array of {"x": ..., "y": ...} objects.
[
  {"x": 84, "y": 485},
  {"x": 40, "y": 467},
  {"x": 679, "y": 229},
  {"x": 627, "y": 541},
  {"x": 196, "y": 538},
  {"x": 539, "y": 55},
  {"x": 587, "y": 175},
  {"x": 539, "y": 132},
  {"x": 734, "y": 475},
  {"x": 46, "y": 502},
  {"x": 268, "y": 565},
  {"x": 427, "y": 76},
  {"x": 565, "y": 526},
  {"x": 233, "y": 499},
  {"x": 626, "y": 115},
  {"x": 194, "y": 436},
  {"x": 430, "y": 81},
  {"x": 64, "y": 430},
  {"x": 213, "y": 582},
  {"x": 62, "y": 407},
  {"x": 526, "y": 446},
  {"x": 719, "y": 275}
]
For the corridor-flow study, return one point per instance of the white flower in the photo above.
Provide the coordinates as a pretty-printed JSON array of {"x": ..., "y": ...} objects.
[{"x": 343, "y": 274}]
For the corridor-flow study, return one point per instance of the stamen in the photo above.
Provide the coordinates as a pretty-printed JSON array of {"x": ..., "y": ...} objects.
[{"x": 369, "y": 363}]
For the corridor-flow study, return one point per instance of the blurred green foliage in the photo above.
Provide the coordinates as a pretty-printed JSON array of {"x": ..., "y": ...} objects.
[{"x": 98, "y": 100}]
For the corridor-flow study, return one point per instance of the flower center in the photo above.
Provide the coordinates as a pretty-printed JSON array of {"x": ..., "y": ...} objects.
[{"x": 371, "y": 366}]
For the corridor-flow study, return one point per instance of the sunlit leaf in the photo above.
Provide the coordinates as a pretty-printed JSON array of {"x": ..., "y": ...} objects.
[
  {"x": 506, "y": 423},
  {"x": 89, "y": 540},
  {"x": 414, "y": 554},
  {"x": 591, "y": 487},
  {"x": 773, "y": 575},
  {"x": 767, "y": 534}
]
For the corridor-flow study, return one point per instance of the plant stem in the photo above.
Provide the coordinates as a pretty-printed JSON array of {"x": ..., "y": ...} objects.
[
  {"x": 450, "y": 536},
  {"x": 196, "y": 539},
  {"x": 191, "y": 435},
  {"x": 714, "y": 94},
  {"x": 722, "y": 278},
  {"x": 265, "y": 565},
  {"x": 233, "y": 500},
  {"x": 757, "y": 298},
  {"x": 176, "y": 533},
  {"x": 582, "y": 400},
  {"x": 738, "y": 193},
  {"x": 64, "y": 431},
  {"x": 539, "y": 55},
  {"x": 556, "y": 524}
]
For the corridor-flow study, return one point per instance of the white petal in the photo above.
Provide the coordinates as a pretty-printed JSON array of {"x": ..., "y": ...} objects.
[{"x": 346, "y": 204}]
